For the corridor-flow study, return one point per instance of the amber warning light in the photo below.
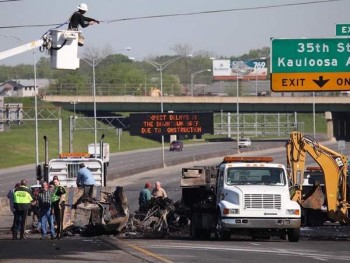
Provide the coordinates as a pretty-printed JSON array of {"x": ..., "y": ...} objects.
[
  {"x": 232, "y": 159},
  {"x": 171, "y": 123}
]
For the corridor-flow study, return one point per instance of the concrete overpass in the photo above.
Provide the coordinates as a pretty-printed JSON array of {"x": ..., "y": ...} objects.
[{"x": 338, "y": 106}]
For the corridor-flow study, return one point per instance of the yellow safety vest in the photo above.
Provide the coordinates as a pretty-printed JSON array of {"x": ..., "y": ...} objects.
[{"x": 22, "y": 198}]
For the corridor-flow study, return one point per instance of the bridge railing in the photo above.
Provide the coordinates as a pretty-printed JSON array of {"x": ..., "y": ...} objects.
[{"x": 134, "y": 89}]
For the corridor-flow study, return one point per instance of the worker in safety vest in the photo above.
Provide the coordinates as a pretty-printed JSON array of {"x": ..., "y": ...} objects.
[
  {"x": 58, "y": 204},
  {"x": 22, "y": 199}
]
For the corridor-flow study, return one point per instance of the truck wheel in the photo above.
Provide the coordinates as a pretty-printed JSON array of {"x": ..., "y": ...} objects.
[
  {"x": 205, "y": 234},
  {"x": 283, "y": 236},
  {"x": 195, "y": 233},
  {"x": 293, "y": 234},
  {"x": 220, "y": 233},
  {"x": 314, "y": 217}
]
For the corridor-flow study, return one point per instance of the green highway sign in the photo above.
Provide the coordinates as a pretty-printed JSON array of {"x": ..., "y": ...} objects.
[
  {"x": 342, "y": 30},
  {"x": 310, "y": 64},
  {"x": 310, "y": 55}
]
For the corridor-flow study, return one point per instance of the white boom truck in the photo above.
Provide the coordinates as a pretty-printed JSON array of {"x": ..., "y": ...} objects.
[
  {"x": 61, "y": 45},
  {"x": 246, "y": 196}
]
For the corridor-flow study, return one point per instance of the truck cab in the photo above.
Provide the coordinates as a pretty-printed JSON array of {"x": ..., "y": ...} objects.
[
  {"x": 253, "y": 199},
  {"x": 67, "y": 166}
]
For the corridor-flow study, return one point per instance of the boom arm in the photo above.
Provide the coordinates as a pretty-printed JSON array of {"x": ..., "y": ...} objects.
[
  {"x": 333, "y": 165},
  {"x": 21, "y": 49}
]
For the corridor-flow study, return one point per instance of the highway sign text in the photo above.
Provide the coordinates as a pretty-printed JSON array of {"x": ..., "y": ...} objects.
[
  {"x": 171, "y": 123},
  {"x": 310, "y": 64},
  {"x": 342, "y": 30}
]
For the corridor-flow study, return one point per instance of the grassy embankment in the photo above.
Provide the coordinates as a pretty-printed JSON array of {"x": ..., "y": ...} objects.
[{"x": 17, "y": 142}]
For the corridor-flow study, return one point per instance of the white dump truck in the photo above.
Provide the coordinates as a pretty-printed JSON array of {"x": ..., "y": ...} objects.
[{"x": 243, "y": 196}]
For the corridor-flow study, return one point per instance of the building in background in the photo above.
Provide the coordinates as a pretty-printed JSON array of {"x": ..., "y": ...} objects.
[{"x": 22, "y": 87}]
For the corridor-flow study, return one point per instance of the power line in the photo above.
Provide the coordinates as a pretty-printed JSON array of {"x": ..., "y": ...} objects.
[
  {"x": 2, "y": 1},
  {"x": 222, "y": 11},
  {"x": 184, "y": 14}
]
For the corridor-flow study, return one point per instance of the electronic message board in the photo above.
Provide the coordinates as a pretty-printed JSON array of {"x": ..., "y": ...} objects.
[{"x": 171, "y": 123}]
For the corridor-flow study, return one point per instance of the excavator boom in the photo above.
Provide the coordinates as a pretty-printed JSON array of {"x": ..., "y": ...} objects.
[{"x": 334, "y": 167}]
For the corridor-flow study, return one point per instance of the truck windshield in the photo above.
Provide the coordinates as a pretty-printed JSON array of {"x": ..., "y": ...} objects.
[{"x": 255, "y": 175}]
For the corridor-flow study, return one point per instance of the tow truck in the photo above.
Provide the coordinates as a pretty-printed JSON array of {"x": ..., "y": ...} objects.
[
  {"x": 108, "y": 207},
  {"x": 242, "y": 195},
  {"x": 334, "y": 169}
]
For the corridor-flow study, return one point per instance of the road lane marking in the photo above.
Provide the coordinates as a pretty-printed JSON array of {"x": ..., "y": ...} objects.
[
  {"x": 283, "y": 252},
  {"x": 149, "y": 253}
]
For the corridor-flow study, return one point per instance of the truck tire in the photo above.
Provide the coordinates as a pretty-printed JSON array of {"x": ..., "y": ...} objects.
[
  {"x": 194, "y": 231},
  {"x": 205, "y": 234},
  {"x": 198, "y": 232},
  {"x": 314, "y": 217},
  {"x": 220, "y": 233},
  {"x": 293, "y": 234}
]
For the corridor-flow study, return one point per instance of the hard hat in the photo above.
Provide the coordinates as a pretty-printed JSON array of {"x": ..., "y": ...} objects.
[{"x": 83, "y": 7}]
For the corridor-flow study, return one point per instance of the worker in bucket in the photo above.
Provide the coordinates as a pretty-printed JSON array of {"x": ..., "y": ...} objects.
[{"x": 78, "y": 19}]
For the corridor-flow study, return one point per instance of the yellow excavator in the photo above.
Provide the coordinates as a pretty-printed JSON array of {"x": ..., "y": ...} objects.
[{"x": 334, "y": 168}]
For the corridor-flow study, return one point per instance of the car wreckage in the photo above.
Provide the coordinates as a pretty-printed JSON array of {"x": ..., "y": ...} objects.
[{"x": 108, "y": 213}]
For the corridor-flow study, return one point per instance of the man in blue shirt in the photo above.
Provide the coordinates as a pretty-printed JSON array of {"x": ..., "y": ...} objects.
[
  {"x": 145, "y": 196},
  {"x": 86, "y": 180}
]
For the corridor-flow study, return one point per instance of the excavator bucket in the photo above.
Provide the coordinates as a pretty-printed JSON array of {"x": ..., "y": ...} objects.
[{"x": 314, "y": 199}]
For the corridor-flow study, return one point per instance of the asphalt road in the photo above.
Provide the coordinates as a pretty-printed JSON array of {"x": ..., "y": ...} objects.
[
  {"x": 127, "y": 163},
  {"x": 329, "y": 243}
]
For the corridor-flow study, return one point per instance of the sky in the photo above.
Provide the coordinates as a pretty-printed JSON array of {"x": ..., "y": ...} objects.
[{"x": 230, "y": 33}]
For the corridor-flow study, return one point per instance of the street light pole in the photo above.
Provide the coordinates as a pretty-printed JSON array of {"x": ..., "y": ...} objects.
[
  {"x": 256, "y": 80},
  {"x": 237, "y": 68},
  {"x": 17, "y": 39},
  {"x": 36, "y": 113},
  {"x": 160, "y": 67},
  {"x": 72, "y": 125},
  {"x": 93, "y": 62},
  {"x": 195, "y": 74},
  {"x": 237, "y": 108}
]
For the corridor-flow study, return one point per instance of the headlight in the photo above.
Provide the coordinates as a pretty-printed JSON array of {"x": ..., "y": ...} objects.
[
  {"x": 294, "y": 212},
  {"x": 230, "y": 211}
]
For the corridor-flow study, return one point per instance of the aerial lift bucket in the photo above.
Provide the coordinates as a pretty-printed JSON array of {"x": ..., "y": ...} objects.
[{"x": 64, "y": 50}]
